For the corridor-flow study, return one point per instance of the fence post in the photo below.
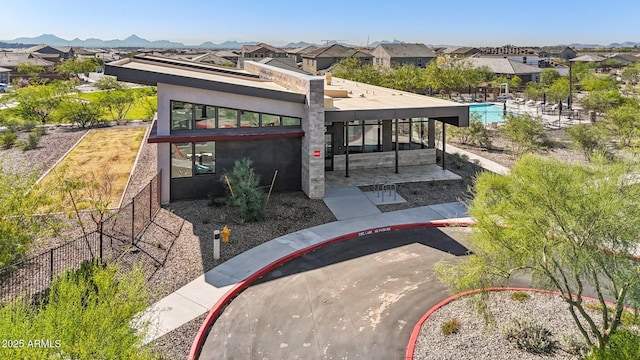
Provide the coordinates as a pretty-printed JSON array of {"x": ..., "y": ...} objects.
[
  {"x": 133, "y": 219},
  {"x": 101, "y": 227},
  {"x": 51, "y": 265},
  {"x": 150, "y": 199}
]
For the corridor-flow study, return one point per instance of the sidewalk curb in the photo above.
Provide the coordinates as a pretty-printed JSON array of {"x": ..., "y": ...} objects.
[{"x": 242, "y": 285}]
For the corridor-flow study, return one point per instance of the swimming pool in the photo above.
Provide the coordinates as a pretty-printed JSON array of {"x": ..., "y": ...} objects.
[{"x": 489, "y": 113}]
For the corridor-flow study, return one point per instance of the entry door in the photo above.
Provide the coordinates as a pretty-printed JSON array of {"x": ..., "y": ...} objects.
[{"x": 328, "y": 152}]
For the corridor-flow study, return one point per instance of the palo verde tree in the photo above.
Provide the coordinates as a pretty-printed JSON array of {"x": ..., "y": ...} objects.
[
  {"x": 73, "y": 67},
  {"x": 571, "y": 228},
  {"x": 20, "y": 200},
  {"x": 116, "y": 97},
  {"x": 38, "y": 102}
]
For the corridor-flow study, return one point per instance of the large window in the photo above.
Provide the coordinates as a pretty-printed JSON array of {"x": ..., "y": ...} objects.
[
  {"x": 205, "y": 117},
  {"x": 249, "y": 119},
  {"x": 187, "y": 116},
  {"x": 365, "y": 136},
  {"x": 412, "y": 133},
  {"x": 189, "y": 159},
  {"x": 227, "y": 118},
  {"x": 181, "y": 115}
]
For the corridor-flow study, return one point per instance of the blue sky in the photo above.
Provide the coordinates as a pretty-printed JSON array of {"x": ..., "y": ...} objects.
[{"x": 453, "y": 22}]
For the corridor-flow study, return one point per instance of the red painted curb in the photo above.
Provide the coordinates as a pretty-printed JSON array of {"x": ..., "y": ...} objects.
[
  {"x": 242, "y": 285},
  {"x": 416, "y": 329}
]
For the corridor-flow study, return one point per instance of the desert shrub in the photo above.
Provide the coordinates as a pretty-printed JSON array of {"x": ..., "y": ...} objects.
[
  {"x": 573, "y": 343},
  {"x": 586, "y": 138},
  {"x": 525, "y": 133},
  {"x": 475, "y": 134},
  {"x": 450, "y": 327},
  {"x": 457, "y": 159},
  {"x": 40, "y": 131},
  {"x": 627, "y": 318},
  {"x": 520, "y": 296},
  {"x": 245, "y": 193},
  {"x": 528, "y": 335},
  {"x": 8, "y": 139},
  {"x": 31, "y": 143},
  {"x": 623, "y": 345},
  {"x": 88, "y": 314}
]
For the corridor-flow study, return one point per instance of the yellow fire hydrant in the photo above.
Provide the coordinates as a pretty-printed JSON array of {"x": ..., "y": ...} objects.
[{"x": 225, "y": 234}]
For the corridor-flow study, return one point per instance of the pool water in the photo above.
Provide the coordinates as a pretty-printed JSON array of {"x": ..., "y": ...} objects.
[{"x": 489, "y": 113}]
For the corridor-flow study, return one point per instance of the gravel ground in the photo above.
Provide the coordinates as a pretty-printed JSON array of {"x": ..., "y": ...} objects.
[
  {"x": 181, "y": 235},
  {"x": 477, "y": 340}
]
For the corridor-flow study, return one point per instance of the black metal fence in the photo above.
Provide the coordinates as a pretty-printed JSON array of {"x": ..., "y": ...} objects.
[{"x": 113, "y": 241}]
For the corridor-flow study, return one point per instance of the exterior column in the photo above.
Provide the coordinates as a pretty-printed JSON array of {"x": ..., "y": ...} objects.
[
  {"x": 444, "y": 146},
  {"x": 397, "y": 147},
  {"x": 431, "y": 137}
]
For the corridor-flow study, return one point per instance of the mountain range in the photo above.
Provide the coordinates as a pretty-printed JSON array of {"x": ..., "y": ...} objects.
[{"x": 134, "y": 41}]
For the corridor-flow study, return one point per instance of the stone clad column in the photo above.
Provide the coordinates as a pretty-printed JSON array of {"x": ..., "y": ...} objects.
[{"x": 313, "y": 127}]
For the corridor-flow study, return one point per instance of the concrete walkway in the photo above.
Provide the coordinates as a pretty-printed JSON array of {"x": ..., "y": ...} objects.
[
  {"x": 199, "y": 296},
  {"x": 348, "y": 202},
  {"x": 484, "y": 163}
]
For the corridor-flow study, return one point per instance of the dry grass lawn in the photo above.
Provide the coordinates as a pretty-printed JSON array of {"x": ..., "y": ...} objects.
[{"x": 104, "y": 156}]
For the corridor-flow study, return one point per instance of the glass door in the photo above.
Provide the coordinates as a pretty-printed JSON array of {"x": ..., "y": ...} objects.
[{"x": 328, "y": 152}]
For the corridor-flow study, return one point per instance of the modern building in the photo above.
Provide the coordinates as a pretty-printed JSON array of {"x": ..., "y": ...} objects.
[
  {"x": 300, "y": 125},
  {"x": 522, "y": 55},
  {"x": 402, "y": 54},
  {"x": 557, "y": 52},
  {"x": 5, "y": 75}
]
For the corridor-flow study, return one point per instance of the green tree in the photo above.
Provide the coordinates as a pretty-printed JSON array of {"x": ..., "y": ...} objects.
[
  {"x": 88, "y": 314},
  {"x": 631, "y": 73},
  {"x": 568, "y": 227},
  {"x": 80, "y": 112},
  {"x": 73, "y": 67},
  {"x": 118, "y": 102},
  {"x": 475, "y": 134},
  {"x": 38, "y": 102},
  {"x": 109, "y": 83},
  {"x": 623, "y": 123},
  {"x": 534, "y": 91},
  {"x": 586, "y": 138},
  {"x": 602, "y": 100},
  {"x": 559, "y": 90},
  {"x": 549, "y": 76},
  {"x": 20, "y": 200},
  {"x": 525, "y": 133},
  {"x": 33, "y": 71}
]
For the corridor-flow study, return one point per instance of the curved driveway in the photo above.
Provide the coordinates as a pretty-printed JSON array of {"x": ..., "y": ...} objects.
[{"x": 358, "y": 299}]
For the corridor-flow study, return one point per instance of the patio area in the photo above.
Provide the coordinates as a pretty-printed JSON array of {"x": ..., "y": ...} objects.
[{"x": 406, "y": 174}]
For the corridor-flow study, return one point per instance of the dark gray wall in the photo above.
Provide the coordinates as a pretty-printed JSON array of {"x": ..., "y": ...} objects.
[{"x": 268, "y": 155}]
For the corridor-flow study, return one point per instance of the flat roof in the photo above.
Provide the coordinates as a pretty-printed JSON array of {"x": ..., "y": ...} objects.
[
  {"x": 369, "y": 102},
  {"x": 151, "y": 70}
]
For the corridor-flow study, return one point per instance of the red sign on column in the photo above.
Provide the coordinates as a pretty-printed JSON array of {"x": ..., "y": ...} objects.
[{"x": 316, "y": 153}]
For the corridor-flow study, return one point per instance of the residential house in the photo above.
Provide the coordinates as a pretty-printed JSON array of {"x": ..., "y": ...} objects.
[
  {"x": 300, "y": 125},
  {"x": 625, "y": 58},
  {"x": 318, "y": 61},
  {"x": 262, "y": 50},
  {"x": 5, "y": 75},
  {"x": 63, "y": 52},
  {"x": 458, "y": 52},
  {"x": 556, "y": 52},
  {"x": 507, "y": 68},
  {"x": 417, "y": 54},
  {"x": 297, "y": 52},
  {"x": 523, "y": 55}
]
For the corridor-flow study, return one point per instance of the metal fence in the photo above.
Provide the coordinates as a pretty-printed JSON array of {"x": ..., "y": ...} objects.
[{"x": 114, "y": 241}]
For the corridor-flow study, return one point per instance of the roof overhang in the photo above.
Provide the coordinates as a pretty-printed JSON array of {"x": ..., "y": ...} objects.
[{"x": 154, "y": 70}]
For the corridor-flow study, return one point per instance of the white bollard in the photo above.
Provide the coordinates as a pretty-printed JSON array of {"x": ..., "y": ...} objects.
[{"x": 216, "y": 244}]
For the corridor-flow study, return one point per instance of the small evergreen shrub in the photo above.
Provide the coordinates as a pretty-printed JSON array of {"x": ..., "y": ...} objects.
[
  {"x": 528, "y": 335},
  {"x": 450, "y": 327},
  {"x": 245, "y": 193},
  {"x": 8, "y": 139},
  {"x": 520, "y": 296}
]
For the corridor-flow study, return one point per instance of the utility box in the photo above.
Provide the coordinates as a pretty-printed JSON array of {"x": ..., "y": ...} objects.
[{"x": 592, "y": 116}]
